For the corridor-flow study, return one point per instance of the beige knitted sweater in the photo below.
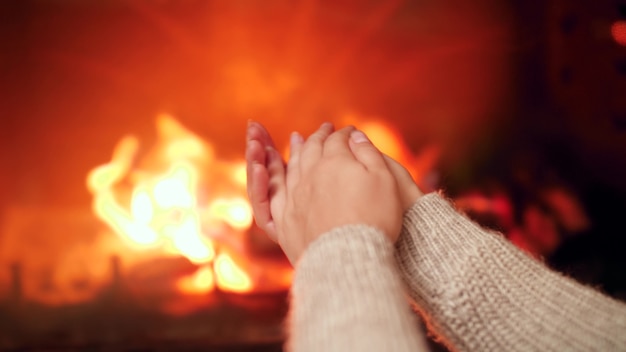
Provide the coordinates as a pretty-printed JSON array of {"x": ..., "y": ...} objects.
[{"x": 475, "y": 290}]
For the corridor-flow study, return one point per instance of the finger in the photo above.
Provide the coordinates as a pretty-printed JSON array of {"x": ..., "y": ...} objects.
[
  {"x": 258, "y": 192},
  {"x": 276, "y": 187},
  {"x": 295, "y": 147},
  {"x": 257, "y": 131},
  {"x": 409, "y": 190},
  {"x": 257, "y": 140},
  {"x": 338, "y": 143},
  {"x": 255, "y": 155},
  {"x": 399, "y": 171},
  {"x": 365, "y": 152},
  {"x": 314, "y": 146}
]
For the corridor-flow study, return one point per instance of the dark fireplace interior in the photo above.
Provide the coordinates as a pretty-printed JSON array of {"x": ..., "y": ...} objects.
[{"x": 123, "y": 126}]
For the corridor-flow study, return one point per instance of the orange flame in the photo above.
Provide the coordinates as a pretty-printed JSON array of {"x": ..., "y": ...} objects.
[
  {"x": 201, "y": 282},
  {"x": 390, "y": 141},
  {"x": 163, "y": 211},
  {"x": 230, "y": 277},
  {"x": 158, "y": 205}
]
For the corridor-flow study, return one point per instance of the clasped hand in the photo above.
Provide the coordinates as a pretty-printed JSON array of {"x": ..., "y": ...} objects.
[{"x": 333, "y": 179}]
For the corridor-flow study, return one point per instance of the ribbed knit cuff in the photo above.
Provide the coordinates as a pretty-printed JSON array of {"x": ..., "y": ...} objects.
[
  {"x": 347, "y": 296},
  {"x": 480, "y": 293}
]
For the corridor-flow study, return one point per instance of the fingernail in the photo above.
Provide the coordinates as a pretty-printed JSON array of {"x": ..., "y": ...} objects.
[
  {"x": 358, "y": 137},
  {"x": 327, "y": 125},
  {"x": 271, "y": 154},
  {"x": 296, "y": 138}
]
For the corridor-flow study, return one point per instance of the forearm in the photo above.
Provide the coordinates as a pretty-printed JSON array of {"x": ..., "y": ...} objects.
[
  {"x": 479, "y": 292},
  {"x": 348, "y": 296}
]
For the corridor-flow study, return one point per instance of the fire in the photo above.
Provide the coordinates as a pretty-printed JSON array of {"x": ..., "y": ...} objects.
[
  {"x": 177, "y": 228},
  {"x": 235, "y": 212},
  {"x": 390, "y": 141},
  {"x": 163, "y": 213},
  {"x": 385, "y": 138},
  {"x": 230, "y": 276},
  {"x": 181, "y": 217},
  {"x": 201, "y": 282}
]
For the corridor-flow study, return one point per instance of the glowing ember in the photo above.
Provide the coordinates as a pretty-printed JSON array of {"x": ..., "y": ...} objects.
[
  {"x": 201, "y": 282},
  {"x": 231, "y": 277},
  {"x": 618, "y": 31}
]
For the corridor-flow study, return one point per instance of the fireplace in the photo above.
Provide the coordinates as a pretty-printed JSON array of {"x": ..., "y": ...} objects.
[
  {"x": 165, "y": 256},
  {"x": 123, "y": 216}
]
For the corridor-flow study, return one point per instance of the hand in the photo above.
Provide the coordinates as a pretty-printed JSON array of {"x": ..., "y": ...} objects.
[
  {"x": 262, "y": 162},
  {"x": 260, "y": 150},
  {"x": 258, "y": 141},
  {"x": 331, "y": 181},
  {"x": 409, "y": 191}
]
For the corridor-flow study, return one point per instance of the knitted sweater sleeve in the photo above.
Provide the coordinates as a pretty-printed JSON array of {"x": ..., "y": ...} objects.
[
  {"x": 347, "y": 295},
  {"x": 478, "y": 292}
]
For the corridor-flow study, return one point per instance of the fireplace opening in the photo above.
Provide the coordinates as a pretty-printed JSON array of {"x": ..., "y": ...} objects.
[{"x": 124, "y": 222}]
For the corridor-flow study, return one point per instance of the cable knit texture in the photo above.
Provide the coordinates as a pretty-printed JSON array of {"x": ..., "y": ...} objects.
[
  {"x": 347, "y": 295},
  {"x": 478, "y": 292}
]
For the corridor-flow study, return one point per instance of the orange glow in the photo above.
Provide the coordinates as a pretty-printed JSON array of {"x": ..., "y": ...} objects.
[
  {"x": 201, "y": 282},
  {"x": 387, "y": 140},
  {"x": 178, "y": 143},
  {"x": 383, "y": 135},
  {"x": 162, "y": 207},
  {"x": 326, "y": 65},
  {"x": 390, "y": 141},
  {"x": 231, "y": 277},
  {"x": 105, "y": 176},
  {"x": 188, "y": 241},
  {"x": 239, "y": 174},
  {"x": 179, "y": 199},
  {"x": 164, "y": 216},
  {"x": 235, "y": 212},
  {"x": 618, "y": 31}
]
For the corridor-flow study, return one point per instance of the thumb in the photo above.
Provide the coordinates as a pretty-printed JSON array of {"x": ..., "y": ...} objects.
[
  {"x": 364, "y": 151},
  {"x": 409, "y": 190}
]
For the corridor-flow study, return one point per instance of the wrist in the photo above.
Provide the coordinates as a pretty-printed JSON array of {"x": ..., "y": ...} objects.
[{"x": 410, "y": 196}]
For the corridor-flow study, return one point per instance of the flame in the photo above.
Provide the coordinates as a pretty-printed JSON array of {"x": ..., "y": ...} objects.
[
  {"x": 230, "y": 277},
  {"x": 179, "y": 199},
  {"x": 164, "y": 213},
  {"x": 236, "y": 212},
  {"x": 385, "y": 138},
  {"x": 201, "y": 282},
  {"x": 239, "y": 174},
  {"x": 390, "y": 141}
]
